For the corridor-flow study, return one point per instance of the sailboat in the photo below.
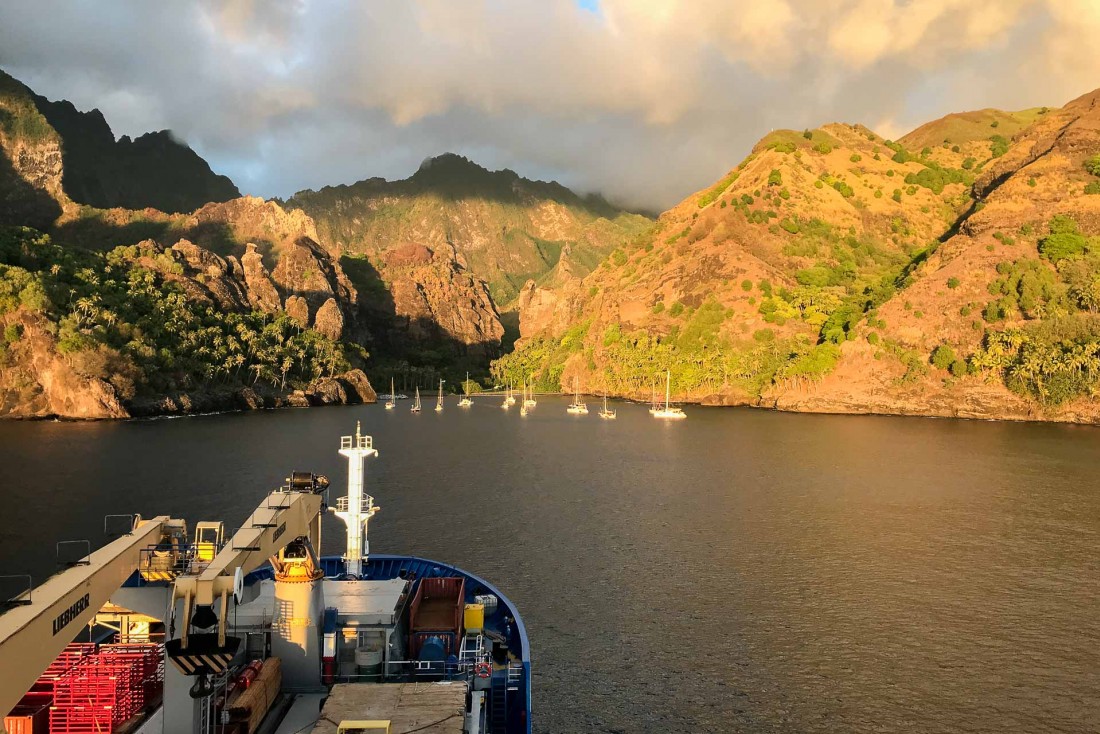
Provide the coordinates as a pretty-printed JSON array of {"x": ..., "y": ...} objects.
[
  {"x": 511, "y": 399},
  {"x": 527, "y": 404},
  {"x": 528, "y": 397},
  {"x": 668, "y": 411},
  {"x": 439, "y": 402},
  {"x": 654, "y": 406},
  {"x": 576, "y": 407},
  {"x": 416, "y": 403},
  {"x": 392, "y": 402},
  {"x": 508, "y": 400},
  {"x": 605, "y": 413},
  {"x": 466, "y": 402}
]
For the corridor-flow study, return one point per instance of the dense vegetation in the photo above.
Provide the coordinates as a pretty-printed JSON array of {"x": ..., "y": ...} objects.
[
  {"x": 1052, "y": 351},
  {"x": 120, "y": 316}
]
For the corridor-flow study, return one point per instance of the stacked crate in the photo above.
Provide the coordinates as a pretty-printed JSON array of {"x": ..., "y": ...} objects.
[
  {"x": 106, "y": 688},
  {"x": 31, "y": 714},
  {"x": 148, "y": 661}
]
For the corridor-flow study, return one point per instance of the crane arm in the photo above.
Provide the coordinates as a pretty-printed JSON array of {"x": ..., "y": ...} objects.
[
  {"x": 279, "y": 520},
  {"x": 285, "y": 516},
  {"x": 34, "y": 632}
]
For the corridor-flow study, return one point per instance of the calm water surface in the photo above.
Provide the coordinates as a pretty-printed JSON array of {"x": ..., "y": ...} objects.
[{"x": 740, "y": 571}]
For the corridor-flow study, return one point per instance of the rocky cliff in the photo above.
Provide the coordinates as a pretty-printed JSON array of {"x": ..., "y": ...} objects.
[{"x": 425, "y": 300}]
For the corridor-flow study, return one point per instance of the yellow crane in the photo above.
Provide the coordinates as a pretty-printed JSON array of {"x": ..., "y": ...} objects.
[{"x": 283, "y": 530}]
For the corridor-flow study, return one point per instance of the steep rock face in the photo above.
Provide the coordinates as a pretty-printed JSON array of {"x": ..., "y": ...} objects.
[
  {"x": 30, "y": 161},
  {"x": 433, "y": 302},
  {"x": 37, "y": 382},
  {"x": 501, "y": 227},
  {"x": 154, "y": 170}
]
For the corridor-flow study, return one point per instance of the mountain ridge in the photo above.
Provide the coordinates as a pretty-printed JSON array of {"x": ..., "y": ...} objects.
[
  {"x": 793, "y": 281},
  {"x": 502, "y": 227}
]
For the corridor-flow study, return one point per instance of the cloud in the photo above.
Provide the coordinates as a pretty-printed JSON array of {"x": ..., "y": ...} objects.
[{"x": 644, "y": 100}]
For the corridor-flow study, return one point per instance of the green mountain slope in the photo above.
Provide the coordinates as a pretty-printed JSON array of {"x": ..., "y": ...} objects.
[
  {"x": 501, "y": 227},
  {"x": 825, "y": 271}
]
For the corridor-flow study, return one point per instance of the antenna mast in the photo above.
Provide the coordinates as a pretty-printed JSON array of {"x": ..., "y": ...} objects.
[{"x": 357, "y": 508}]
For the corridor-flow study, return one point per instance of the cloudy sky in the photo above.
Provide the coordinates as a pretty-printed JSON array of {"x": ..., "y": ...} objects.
[{"x": 644, "y": 100}]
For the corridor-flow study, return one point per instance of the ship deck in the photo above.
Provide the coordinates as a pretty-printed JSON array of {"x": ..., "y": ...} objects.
[{"x": 431, "y": 708}]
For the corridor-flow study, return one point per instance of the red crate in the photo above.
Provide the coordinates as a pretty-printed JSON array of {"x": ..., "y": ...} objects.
[
  {"x": 81, "y": 719},
  {"x": 72, "y": 655}
]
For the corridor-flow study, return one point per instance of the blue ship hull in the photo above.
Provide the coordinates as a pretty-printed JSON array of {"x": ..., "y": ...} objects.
[{"x": 513, "y": 714}]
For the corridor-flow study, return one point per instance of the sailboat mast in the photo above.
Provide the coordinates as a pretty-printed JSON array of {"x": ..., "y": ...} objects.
[{"x": 668, "y": 386}]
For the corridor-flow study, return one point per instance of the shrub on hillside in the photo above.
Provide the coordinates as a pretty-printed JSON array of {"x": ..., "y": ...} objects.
[
  {"x": 844, "y": 189},
  {"x": 823, "y": 148},
  {"x": 1092, "y": 165},
  {"x": 943, "y": 356},
  {"x": 1064, "y": 240}
]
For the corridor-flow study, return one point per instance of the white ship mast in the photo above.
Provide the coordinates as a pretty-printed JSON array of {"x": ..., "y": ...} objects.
[{"x": 357, "y": 508}]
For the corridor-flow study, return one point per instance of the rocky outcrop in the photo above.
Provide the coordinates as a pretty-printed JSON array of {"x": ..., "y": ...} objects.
[
  {"x": 262, "y": 294},
  {"x": 329, "y": 320},
  {"x": 434, "y": 303},
  {"x": 297, "y": 308}
]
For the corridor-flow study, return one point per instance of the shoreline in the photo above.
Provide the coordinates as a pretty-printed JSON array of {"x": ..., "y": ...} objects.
[{"x": 294, "y": 401}]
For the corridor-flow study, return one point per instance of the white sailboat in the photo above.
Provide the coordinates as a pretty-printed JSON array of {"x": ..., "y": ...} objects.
[
  {"x": 466, "y": 402},
  {"x": 576, "y": 407},
  {"x": 654, "y": 406},
  {"x": 416, "y": 403},
  {"x": 528, "y": 397},
  {"x": 439, "y": 402},
  {"x": 669, "y": 411},
  {"x": 392, "y": 402},
  {"x": 527, "y": 404},
  {"x": 605, "y": 413},
  {"x": 511, "y": 399}
]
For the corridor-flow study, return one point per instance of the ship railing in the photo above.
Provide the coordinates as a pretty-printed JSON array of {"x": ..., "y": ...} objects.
[
  {"x": 356, "y": 442},
  {"x": 365, "y": 506},
  {"x": 473, "y": 649},
  {"x": 410, "y": 670}
]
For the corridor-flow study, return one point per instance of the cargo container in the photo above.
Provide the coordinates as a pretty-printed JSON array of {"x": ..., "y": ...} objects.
[
  {"x": 29, "y": 718},
  {"x": 436, "y": 613}
]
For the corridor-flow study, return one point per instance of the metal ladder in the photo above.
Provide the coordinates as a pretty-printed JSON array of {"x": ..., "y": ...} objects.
[
  {"x": 498, "y": 705},
  {"x": 515, "y": 675}
]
